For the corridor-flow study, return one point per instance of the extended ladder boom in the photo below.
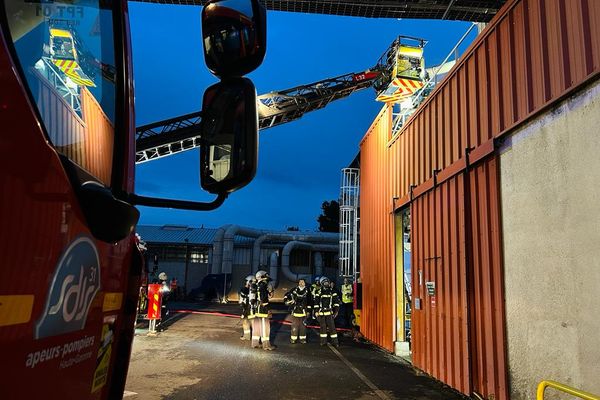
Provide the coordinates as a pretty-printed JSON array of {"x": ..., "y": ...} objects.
[
  {"x": 161, "y": 139},
  {"x": 175, "y": 135}
]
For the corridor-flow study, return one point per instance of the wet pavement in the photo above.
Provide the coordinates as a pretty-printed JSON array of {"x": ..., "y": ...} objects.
[{"x": 201, "y": 356}]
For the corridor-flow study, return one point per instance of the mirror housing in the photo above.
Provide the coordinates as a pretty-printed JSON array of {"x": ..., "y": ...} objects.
[
  {"x": 229, "y": 129},
  {"x": 234, "y": 36}
]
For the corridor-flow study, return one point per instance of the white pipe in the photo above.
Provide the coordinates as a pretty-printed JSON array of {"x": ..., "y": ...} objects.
[
  {"x": 227, "y": 263},
  {"x": 217, "y": 257},
  {"x": 273, "y": 263},
  {"x": 285, "y": 257},
  {"x": 323, "y": 237}
]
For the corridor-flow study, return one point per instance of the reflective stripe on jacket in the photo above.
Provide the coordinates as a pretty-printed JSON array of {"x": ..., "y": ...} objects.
[{"x": 328, "y": 301}]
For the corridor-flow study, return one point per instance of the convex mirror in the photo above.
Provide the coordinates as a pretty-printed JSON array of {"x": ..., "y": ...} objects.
[
  {"x": 234, "y": 34},
  {"x": 229, "y": 129}
]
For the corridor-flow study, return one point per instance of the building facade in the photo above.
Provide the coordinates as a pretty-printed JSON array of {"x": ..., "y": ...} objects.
[
  {"x": 192, "y": 254},
  {"x": 492, "y": 189}
]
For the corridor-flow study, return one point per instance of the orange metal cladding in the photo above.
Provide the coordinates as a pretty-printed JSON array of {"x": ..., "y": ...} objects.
[
  {"x": 485, "y": 274},
  {"x": 456, "y": 244},
  {"x": 376, "y": 247},
  {"x": 440, "y": 328},
  {"x": 99, "y": 135},
  {"x": 534, "y": 53}
]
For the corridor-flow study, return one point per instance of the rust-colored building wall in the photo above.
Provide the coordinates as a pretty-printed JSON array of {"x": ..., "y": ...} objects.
[
  {"x": 443, "y": 164},
  {"x": 377, "y": 237},
  {"x": 458, "y": 333},
  {"x": 99, "y": 135},
  {"x": 439, "y": 328},
  {"x": 65, "y": 128},
  {"x": 485, "y": 285},
  {"x": 533, "y": 53}
]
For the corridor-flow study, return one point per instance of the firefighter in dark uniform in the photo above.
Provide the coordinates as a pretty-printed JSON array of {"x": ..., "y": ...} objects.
[
  {"x": 261, "y": 325},
  {"x": 247, "y": 314},
  {"x": 315, "y": 288},
  {"x": 327, "y": 307},
  {"x": 297, "y": 300}
]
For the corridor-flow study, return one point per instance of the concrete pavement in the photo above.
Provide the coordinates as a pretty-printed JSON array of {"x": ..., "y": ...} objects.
[{"x": 200, "y": 356}]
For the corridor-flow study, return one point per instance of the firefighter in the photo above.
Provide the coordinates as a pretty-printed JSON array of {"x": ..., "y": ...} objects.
[
  {"x": 165, "y": 292},
  {"x": 314, "y": 294},
  {"x": 297, "y": 300},
  {"x": 347, "y": 301},
  {"x": 247, "y": 313},
  {"x": 261, "y": 326},
  {"x": 328, "y": 305}
]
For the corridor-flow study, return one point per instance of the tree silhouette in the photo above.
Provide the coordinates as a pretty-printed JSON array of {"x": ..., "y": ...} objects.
[{"x": 329, "y": 220}]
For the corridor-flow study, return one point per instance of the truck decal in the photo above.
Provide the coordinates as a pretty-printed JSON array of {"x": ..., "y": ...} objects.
[{"x": 75, "y": 283}]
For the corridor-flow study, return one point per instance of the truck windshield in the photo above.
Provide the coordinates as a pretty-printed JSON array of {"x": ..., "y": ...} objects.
[{"x": 66, "y": 52}]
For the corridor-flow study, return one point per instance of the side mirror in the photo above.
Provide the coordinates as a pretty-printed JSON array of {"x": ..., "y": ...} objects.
[
  {"x": 234, "y": 34},
  {"x": 229, "y": 128}
]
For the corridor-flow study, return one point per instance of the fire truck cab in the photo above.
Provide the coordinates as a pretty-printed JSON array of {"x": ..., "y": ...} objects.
[{"x": 70, "y": 264}]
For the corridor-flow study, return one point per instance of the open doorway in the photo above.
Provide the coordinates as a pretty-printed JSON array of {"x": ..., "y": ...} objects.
[{"x": 403, "y": 289}]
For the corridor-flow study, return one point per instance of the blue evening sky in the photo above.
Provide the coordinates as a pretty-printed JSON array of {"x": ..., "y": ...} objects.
[{"x": 300, "y": 162}]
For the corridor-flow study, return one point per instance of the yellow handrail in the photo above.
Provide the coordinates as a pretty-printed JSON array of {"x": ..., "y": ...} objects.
[{"x": 563, "y": 388}]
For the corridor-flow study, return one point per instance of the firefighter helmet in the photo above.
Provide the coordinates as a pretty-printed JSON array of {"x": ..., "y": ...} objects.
[
  {"x": 162, "y": 276},
  {"x": 250, "y": 278},
  {"x": 325, "y": 281},
  {"x": 261, "y": 275},
  {"x": 318, "y": 279}
]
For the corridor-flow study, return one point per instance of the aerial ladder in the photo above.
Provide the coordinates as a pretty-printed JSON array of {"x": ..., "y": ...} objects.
[{"x": 398, "y": 74}]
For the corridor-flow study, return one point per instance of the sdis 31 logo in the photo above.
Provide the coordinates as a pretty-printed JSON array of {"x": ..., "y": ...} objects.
[{"x": 75, "y": 284}]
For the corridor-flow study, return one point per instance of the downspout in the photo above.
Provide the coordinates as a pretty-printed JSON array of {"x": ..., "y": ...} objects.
[
  {"x": 328, "y": 238},
  {"x": 217, "y": 257},
  {"x": 285, "y": 257}
]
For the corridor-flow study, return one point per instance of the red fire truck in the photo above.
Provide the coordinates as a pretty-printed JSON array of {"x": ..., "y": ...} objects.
[{"x": 69, "y": 261}]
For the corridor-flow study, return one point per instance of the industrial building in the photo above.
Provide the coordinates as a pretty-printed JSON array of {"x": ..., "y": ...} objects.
[
  {"x": 492, "y": 187},
  {"x": 191, "y": 254}
]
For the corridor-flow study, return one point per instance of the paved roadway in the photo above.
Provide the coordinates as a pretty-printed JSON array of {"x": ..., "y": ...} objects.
[{"x": 200, "y": 356}]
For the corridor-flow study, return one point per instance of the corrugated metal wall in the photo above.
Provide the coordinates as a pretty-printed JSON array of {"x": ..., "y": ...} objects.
[
  {"x": 440, "y": 328},
  {"x": 485, "y": 282},
  {"x": 99, "y": 135},
  {"x": 65, "y": 128},
  {"x": 458, "y": 334},
  {"x": 377, "y": 237},
  {"x": 532, "y": 54}
]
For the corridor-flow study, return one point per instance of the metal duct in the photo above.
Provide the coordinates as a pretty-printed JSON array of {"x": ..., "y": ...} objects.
[
  {"x": 285, "y": 257},
  {"x": 292, "y": 236},
  {"x": 217, "y": 257},
  {"x": 273, "y": 263},
  {"x": 232, "y": 230}
]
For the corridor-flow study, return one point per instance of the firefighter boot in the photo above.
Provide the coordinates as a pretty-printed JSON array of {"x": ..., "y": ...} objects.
[
  {"x": 334, "y": 340},
  {"x": 323, "y": 339},
  {"x": 246, "y": 326},
  {"x": 267, "y": 345}
]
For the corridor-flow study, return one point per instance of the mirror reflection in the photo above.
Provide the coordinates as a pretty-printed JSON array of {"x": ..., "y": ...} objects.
[
  {"x": 229, "y": 131},
  {"x": 233, "y": 36}
]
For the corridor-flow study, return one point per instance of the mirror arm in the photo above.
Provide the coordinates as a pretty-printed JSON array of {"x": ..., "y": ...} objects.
[{"x": 178, "y": 204}]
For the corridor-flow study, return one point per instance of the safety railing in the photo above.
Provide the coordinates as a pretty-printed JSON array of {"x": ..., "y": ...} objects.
[{"x": 563, "y": 388}]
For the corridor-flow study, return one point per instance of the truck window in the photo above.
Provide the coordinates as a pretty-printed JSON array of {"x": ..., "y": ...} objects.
[{"x": 67, "y": 56}]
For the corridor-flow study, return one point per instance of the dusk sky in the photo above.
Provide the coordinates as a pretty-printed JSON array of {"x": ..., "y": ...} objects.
[{"x": 300, "y": 162}]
